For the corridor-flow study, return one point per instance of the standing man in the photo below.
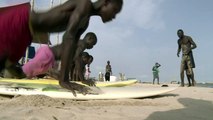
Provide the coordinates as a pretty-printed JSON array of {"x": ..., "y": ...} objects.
[
  {"x": 155, "y": 72},
  {"x": 186, "y": 44},
  {"x": 108, "y": 71}
]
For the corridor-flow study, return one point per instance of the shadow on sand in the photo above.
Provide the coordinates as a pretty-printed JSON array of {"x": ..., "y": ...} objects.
[
  {"x": 160, "y": 96},
  {"x": 194, "y": 109}
]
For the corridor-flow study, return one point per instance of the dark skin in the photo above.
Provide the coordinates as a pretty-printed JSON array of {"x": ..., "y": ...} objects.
[
  {"x": 15, "y": 70},
  {"x": 186, "y": 45},
  {"x": 12, "y": 68},
  {"x": 73, "y": 17},
  {"x": 88, "y": 42},
  {"x": 108, "y": 71},
  {"x": 79, "y": 66},
  {"x": 80, "y": 63},
  {"x": 85, "y": 62},
  {"x": 88, "y": 64},
  {"x": 188, "y": 77}
]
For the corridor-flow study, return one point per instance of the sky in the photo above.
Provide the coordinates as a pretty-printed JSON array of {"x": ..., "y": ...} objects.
[{"x": 145, "y": 32}]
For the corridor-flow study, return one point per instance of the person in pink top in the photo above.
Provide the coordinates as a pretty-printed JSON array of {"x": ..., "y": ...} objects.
[
  {"x": 46, "y": 56},
  {"x": 43, "y": 60}
]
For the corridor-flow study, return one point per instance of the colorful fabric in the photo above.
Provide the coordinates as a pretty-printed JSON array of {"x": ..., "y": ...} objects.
[
  {"x": 15, "y": 33},
  {"x": 41, "y": 63}
]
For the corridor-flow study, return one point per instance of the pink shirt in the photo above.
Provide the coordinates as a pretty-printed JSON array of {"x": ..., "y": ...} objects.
[{"x": 41, "y": 63}]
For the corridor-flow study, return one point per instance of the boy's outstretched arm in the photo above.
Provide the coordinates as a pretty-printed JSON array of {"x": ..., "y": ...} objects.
[{"x": 70, "y": 40}]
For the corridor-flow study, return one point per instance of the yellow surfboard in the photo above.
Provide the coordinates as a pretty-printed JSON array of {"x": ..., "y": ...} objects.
[{"x": 55, "y": 82}]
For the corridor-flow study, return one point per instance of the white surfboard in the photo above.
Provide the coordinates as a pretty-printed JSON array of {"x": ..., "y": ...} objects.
[{"x": 135, "y": 91}]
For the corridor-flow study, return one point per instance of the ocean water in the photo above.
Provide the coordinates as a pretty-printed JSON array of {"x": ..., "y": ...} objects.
[{"x": 208, "y": 85}]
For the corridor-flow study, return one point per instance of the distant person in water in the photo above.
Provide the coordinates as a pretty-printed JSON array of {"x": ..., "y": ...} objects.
[
  {"x": 186, "y": 45},
  {"x": 108, "y": 71},
  {"x": 155, "y": 71}
]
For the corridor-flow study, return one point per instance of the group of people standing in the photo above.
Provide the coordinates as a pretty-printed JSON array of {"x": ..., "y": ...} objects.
[{"x": 186, "y": 45}]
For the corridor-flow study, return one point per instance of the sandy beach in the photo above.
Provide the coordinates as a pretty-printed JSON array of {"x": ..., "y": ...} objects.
[{"x": 184, "y": 103}]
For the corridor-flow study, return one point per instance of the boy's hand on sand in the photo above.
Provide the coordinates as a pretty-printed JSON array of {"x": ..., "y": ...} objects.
[
  {"x": 89, "y": 82},
  {"x": 75, "y": 87}
]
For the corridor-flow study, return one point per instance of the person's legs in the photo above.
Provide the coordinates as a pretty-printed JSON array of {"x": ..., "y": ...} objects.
[
  {"x": 74, "y": 76},
  {"x": 182, "y": 67},
  {"x": 158, "y": 79},
  {"x": 56, "y": 50},
  {"x": 153, "y": 80},
  {"x": 192, "y": 76},
  {"x": 107, "y": 76},
  {"x": 188, "y": 77},
  {"x": 190, "y": 70},
  {"x": 15, "y": 70},
  {"x": 154, "y": 77},
  {"x": 189, "y": 80},
  {"x": 87, "y": 76},
  {"x": 182, "y": 76}
]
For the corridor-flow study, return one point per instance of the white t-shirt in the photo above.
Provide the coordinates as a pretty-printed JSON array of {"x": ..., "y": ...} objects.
[{"x": 87, "y": 71}]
